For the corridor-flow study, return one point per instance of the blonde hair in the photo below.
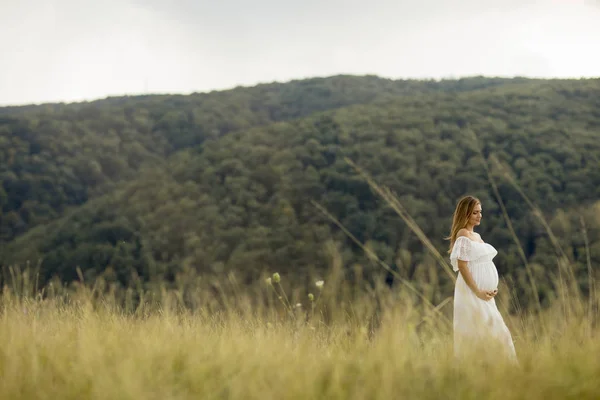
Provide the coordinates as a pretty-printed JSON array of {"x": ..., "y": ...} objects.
[{"x": 463, "y": 211}]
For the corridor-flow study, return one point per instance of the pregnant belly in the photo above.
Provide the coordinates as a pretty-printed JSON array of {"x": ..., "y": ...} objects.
[{"x": 485, "y": 275}]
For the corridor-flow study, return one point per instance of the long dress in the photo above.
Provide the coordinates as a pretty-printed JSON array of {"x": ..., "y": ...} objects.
[{"x": 479, "y": 328}]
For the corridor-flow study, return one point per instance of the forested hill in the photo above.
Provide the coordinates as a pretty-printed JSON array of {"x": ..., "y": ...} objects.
[
  {"x": 57, "y": 155},
  {"x": 224, "y": 180}
]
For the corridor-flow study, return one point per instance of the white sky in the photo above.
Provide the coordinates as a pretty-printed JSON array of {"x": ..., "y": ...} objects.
[{"x": 72, "y": 50}]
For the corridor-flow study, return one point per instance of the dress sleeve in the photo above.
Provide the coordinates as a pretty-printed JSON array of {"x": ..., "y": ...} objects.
[{"x": 460, "y": 251}]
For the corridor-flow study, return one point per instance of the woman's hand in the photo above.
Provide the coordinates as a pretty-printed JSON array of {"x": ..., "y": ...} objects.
[{"x": 486, "y": 295}]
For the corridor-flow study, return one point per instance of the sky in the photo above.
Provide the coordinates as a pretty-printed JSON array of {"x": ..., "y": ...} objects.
[{"x": 78, "y": 50}]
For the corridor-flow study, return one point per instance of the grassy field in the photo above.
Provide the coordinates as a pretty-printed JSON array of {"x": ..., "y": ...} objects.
[
  {"x": 332, "y": 340},
  {"x": 81, "y": 345}
]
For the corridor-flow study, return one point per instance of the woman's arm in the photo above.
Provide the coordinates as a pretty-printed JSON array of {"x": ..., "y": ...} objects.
[{"x": 466, "y": 274}]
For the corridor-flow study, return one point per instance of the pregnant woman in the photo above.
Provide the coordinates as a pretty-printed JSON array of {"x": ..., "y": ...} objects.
[{"x": 479, "y": 329}]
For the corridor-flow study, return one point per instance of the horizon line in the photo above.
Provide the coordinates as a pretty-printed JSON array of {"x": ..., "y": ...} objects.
[{"x": 283, "y": 82}]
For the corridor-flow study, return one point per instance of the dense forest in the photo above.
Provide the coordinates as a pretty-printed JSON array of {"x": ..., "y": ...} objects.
[{"x": 153, "y": 187}]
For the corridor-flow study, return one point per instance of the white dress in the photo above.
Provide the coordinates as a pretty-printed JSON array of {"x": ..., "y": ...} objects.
[{"x": 478, "y": 325}]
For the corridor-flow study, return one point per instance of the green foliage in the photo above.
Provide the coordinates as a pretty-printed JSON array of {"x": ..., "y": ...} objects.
[{"x": 153, "y": 186}]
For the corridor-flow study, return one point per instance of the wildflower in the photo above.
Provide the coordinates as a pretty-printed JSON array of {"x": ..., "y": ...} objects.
[
  {"x": 311, "y": 297},
  {"x": 276, "y": 277},
  {"x": 319, "y": 284},
  {"x": 268, "y": 280}
]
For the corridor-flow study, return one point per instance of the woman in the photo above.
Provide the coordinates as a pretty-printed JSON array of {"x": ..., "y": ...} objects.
[{"x": 478, "y": 325}]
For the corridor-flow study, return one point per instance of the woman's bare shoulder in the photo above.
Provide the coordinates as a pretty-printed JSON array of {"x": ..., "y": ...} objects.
[{"x": 463, "y": 232}]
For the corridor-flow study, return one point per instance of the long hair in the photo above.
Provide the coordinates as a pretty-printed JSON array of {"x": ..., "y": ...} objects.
[{"x": 463, "y": 211}]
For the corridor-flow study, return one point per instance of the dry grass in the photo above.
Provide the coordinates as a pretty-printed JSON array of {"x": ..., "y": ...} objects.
[{"x": 84, "y": 347}]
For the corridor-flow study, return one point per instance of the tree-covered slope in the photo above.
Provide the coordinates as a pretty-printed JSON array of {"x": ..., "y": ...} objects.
[
  {"x": 242, "y": 200},
  {"x": 58, "y": 155}
]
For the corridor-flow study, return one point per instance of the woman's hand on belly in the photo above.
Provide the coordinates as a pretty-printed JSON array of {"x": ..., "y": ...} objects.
[{"x": 487, "y": 295}]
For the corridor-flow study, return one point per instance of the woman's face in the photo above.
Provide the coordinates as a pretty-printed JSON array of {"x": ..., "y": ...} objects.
[{"x": 475, "y": 218}]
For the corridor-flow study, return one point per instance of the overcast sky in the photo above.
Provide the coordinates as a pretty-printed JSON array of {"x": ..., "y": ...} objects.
[{"x": 72, "y": 50}]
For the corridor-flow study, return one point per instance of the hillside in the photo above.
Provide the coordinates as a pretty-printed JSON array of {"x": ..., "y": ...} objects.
[
  {"x": 54, "y": 156},
  {"x": 210, "y": 183}
]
